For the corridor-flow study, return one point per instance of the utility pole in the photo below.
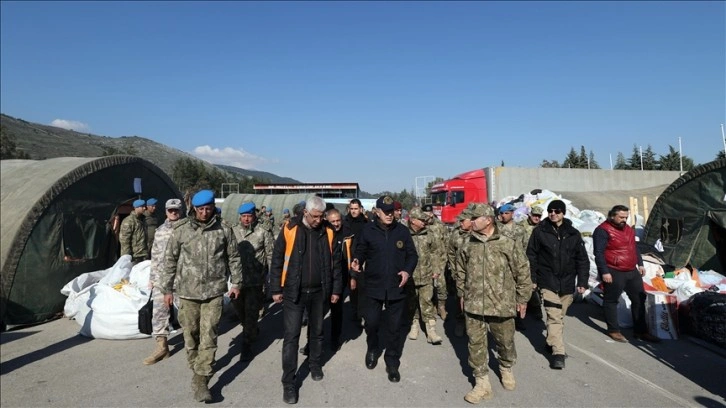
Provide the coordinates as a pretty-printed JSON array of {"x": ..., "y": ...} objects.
[
  {"x": 641, "y": 158},
  {"x": 723, "y": 138},
  {"x": 611, "y": 161},
  {"x": 680, "y": 153}
]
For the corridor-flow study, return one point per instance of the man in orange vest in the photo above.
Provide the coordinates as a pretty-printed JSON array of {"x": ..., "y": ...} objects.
[{"x": 305, "y": 274}]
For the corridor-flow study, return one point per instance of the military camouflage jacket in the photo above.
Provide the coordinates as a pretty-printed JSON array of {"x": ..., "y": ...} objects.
[
  {"x": 513, "y": 231},
  {"x": 133, "y": 236},
  {"x": 255, "y": 250},
  {"x": 198, "y": 259},
  {"x": 430, "y": 253},
  {"x": 457, "y": 236},
  {"x": 496, "y": 275},
  {"x": 151, "y": 224},
  {"x": 161, "y": 238},
  {"x": 441, "y": 232},
  {"x": 528, "y": 228}
]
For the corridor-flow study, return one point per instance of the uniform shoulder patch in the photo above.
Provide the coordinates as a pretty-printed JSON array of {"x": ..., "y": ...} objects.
[{"x": 181, "y": 222}]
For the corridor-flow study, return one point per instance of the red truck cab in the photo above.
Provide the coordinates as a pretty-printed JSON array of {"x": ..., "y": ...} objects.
[{"x": 450, "y": 197}]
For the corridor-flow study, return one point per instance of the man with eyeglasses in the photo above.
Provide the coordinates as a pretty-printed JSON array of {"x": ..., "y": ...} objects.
[
  {"x": 304, "y": 274},
  {"x": 620, "y": 268},
  {"x": 200, "y": 254},
  {"x": 160, "y": 313},
  {"x": 496, "y": 284},
  {"x": 386, "y": 249},
  {"x": 559, "y": 263}
]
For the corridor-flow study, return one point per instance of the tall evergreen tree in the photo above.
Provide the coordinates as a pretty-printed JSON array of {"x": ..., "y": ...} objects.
[
  {"x": 634, "y": 160},
  {"x": 650, "y": 162},
  {"x": 571, "y": 160},
  {"x": 721, "y": 155},
  {"x": 582, "y": 158},
  {"x": 593, "y": 162},
  {"x": 620, "y": 162},
  {"x": 672, "y": 161}
]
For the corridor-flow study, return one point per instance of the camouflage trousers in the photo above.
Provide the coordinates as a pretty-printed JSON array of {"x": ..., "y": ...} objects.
[
  {"x": 556, "y": 308},
  {"x": 247, "y": 306},
  {"x": 200, "y": 321},
  {"x": 159, "y": 315},
  {"x": 420, "y": 298},
  {"x": 502, "y": 329}
]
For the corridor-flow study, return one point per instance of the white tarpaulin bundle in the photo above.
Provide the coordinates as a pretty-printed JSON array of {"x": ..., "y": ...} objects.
[{"x": 106, "y": 303}]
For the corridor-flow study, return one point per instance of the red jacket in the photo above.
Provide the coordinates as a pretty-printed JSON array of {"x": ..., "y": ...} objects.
[{"x": 620, "y": 252}]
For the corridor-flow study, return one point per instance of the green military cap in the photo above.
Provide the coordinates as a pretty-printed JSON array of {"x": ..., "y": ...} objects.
[
  {"x": 537, "y": 210},
  {"x": 464, "y": 214},
  {"x": 418, "y": 214},
  {"x": 481, "y": 210}
]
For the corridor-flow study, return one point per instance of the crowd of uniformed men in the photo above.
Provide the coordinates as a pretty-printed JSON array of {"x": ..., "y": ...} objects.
[{"x": 309, "y": 261}]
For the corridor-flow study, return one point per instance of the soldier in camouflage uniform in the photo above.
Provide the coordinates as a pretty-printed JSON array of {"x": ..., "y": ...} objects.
[
  {"x": 534, "y": 306},
  {"x": 160, "y": 315},
  {"x": 255, "y": 249},
  {"x": 457, "y": 237},
  {"x": 533, "y": 219},
  {"x": 151, "y": 221},
  {"x": 516, "y": 232},
  {"x": 421, "y": 289},
  {"x": 200, "y": 254},
  {"x": 496, "y": 287},
  {"x": 132, "y": 235},
  {"x": 442, "y": 234}
]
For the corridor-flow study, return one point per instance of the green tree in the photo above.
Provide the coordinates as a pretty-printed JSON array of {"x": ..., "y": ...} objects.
[
  {"x": 593, "y": 162},
  {"x": 550, "y": 164},
  {"x": 582, "y": 158},
  {"x": 620, "y": 162},
  {"x": 672, "y": 161},
  {"x": 431, "y": 183},
  {"x": 650, "y": 162},
  {"x": 720, "y": 155},
  {"x": 8, "y": 148},
  {"x": 571, "y": 160},
  {"x": 634, "y": 160}
]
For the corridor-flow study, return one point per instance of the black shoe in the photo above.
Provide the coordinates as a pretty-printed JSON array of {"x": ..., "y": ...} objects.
[
  {"x": 305, "y": 350},
  {"x": 558, "y": 362},
  {"x": 393, "y": 375},
  {"x": 289, "y": 394},
  {"x": 371, "y": 360},
  {"x": 316, "y": 373}
]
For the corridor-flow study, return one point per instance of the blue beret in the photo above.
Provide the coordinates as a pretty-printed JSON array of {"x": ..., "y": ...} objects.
[
  {"x": 286, "y": 211},
  {"x": 151, "y": 201},
  {"x": 203, "y": 197},
  {"x": 247, "y": 208},
  {"x": 505, "y": 208},
  {"x": 303, "y": 202},
  {"x": 139, "y": 203},
  {"x": 269, "y": 209}
]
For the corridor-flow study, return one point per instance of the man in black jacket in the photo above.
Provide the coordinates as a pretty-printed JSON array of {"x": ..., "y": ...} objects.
[
  {"x": 557, "y": 256},
  {"x": 305, "y": 274},
  {"x": 353, "y": 224},
  {"x": 386, "y": 249}
]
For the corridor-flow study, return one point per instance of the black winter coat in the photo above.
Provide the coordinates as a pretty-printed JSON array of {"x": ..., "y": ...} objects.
[
  {"x": 385, "y": 252},
  {"x": 328, "y": 264},
  {"x": 557, "y": 256}
]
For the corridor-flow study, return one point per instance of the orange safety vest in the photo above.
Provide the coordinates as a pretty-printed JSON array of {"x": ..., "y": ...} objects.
[
  {"x": 347, "y": 241},
  {"x": 290, "y": 235}
]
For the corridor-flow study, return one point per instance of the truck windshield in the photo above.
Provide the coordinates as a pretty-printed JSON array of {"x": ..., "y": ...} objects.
[
  {"x": 438, "y": 198},
  {"x": 457, "y": 197}
]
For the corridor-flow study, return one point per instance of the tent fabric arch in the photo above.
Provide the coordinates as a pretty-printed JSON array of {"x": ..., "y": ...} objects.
[
  {"x": 689, "y": 218},
  {"x": 32, "y": 189}
]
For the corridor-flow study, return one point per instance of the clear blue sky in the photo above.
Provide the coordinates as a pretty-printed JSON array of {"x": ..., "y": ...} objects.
[{"x": 377, "y": 93}]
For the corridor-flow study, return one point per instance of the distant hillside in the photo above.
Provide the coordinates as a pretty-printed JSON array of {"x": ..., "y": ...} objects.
[
  {"x": 44, "y": 142},
  {"x": 262, "y": 175}
]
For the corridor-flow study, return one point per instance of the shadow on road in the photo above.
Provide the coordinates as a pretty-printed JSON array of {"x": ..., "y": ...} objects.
[
  {"x": 12, "y": 336},
  {"x": 21, "y": 361}
]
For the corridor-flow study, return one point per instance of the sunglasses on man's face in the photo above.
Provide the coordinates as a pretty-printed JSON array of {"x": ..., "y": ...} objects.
[{"x": 554, "y": 210}]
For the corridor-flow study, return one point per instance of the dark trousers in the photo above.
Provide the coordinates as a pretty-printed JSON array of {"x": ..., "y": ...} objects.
[
  {"x": 358, "y": 298},
  {"x": 292, "y": 321},
  {"x": 632, "y": 283},
  {"x": 336, "y": 320},
  {"x": 395, "y": 309}
]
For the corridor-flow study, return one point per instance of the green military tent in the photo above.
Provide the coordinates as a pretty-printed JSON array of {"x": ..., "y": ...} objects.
[
  {"x": 59, "y": 220},
  {"x": 689, "y": 219}
]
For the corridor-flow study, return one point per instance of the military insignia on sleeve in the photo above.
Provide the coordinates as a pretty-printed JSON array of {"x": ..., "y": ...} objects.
[{"x": 399, "y": 244}]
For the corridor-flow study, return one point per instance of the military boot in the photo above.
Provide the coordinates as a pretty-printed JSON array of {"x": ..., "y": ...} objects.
[
  {"x": 413, "y": 333},
  {"x": 481, "y": 391},
  {"x": 160, "y": 352},
  {"x": 507, "y": 378},
  {"x": 442, "y": 309},
  {"x": 201, "y": 393},
  {"x": 431, "y": 335}
]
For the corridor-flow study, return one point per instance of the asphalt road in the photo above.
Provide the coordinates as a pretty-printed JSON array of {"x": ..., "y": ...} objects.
[{"x": 50, "y": 365}]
